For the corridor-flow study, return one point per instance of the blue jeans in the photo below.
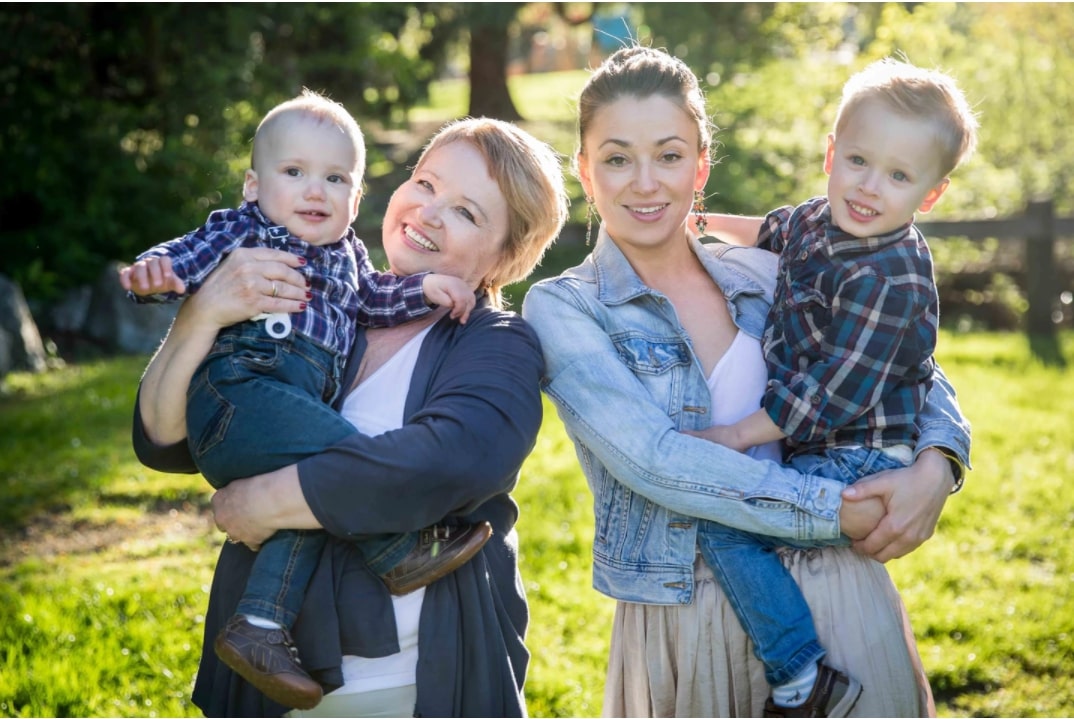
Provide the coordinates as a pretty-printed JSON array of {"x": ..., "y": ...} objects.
[
  {"x": 764, "y": 596},
  {"x": 257, "y": 404}
]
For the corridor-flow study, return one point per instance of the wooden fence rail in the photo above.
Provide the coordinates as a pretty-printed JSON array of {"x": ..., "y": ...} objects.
[{"x": 1040, "y": 228}]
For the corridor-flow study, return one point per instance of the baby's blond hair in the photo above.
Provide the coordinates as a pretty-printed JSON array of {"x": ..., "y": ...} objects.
[{"x": 318, "y": 107}]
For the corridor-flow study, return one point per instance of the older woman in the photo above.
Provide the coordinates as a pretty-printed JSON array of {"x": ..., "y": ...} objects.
[
  {"x": 458, "y": 410},
  {"x": 656, "y": 334}
]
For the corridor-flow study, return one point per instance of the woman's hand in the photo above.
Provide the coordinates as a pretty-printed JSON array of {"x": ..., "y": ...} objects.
[
  {"x": 251, "y": 280},
  {"x": 914, "y": 497},
  {"x": 238, "y": 289},
  {"x": 235, "y": 513},
  {"x": 250, "y": 510}
]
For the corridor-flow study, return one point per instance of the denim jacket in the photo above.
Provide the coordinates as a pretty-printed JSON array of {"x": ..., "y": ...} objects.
[{"x": 622, "y": 373}]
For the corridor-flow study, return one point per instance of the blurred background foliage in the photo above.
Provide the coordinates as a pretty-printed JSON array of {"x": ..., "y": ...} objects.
[{"x": 124, "y": 124}]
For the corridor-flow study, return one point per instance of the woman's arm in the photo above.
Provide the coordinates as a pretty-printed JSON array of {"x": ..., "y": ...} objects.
[
  {"x": 914, "y": 497},
  {"x": 238, "y": 289},
  {"x": 251, "y": 510},
  {"x": 472, "y": 420},
  {"x": 733, "y": 229},
  {"x": 608, "y": 411}
]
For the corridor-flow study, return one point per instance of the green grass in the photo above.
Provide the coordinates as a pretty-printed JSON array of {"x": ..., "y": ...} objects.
[
  {"x": 538, "y": 97},
  {"x": 104, "y": 566}
]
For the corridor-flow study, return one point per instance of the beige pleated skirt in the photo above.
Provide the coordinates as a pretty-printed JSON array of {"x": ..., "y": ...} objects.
[{"x": 695, "y": 660}]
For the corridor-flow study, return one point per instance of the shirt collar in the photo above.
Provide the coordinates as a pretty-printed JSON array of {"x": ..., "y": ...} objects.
[
  {"x": 254, "y": 210},
  {"x": 840, "y": 241}
]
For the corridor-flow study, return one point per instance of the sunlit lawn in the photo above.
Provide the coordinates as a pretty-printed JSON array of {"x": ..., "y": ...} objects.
[{"x": 104, "y": 618}]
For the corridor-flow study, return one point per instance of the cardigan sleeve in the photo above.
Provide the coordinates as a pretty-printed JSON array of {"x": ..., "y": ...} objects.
[
  {"x": 174, "y": 458},
  {"x": 457, "y": 449}
]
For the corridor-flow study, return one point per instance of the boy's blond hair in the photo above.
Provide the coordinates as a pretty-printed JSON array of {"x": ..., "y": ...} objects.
[
  {"x": 530, "y": 176},
  {"x": 917, "y": 93},
  {"x": 318, "y": 107}
]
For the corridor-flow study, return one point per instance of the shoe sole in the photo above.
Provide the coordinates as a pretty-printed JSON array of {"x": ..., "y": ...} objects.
[
  {"x": 264, "y": 683},
  {"x": 849, "y": 700}
]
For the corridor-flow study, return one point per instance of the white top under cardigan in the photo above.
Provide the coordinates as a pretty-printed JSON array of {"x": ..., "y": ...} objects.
[{"x": 374, "y": 407}]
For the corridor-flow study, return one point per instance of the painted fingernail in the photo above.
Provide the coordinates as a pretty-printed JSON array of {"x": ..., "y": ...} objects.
[
  {"x": 301, "y": 260},
  {"x": 302, "y": 306},
  {"x": 309, "y": 295}
]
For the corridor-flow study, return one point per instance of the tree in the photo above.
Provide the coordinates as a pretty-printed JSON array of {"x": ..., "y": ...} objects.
[
  {"x": 487, "y": 26},
  {"x": 489, "y": 95},
  {"x": 122, "y": 125}
]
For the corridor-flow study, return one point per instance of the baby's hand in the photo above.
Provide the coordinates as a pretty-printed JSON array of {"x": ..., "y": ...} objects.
[
  {"x": 449, "y": 291},
  {"x": 151, "y": 276}
]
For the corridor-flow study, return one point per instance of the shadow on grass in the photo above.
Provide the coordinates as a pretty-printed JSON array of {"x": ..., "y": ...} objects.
[
  {"x": 65, "y": 437},
  {"x": 1048, "y": 350}
]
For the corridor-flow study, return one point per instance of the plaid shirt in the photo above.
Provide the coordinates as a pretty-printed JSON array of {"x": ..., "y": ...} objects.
[
  {"x": 850, "y": 336},
  {"x": 346, "y": 290}
]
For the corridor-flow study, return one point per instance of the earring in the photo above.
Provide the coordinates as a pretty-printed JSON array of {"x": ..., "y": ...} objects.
[
  {"x": 699, "y": 211},
  {"x": 589, "y": 212}
]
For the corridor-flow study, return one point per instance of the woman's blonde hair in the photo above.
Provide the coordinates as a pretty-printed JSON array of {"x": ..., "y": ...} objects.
[{"x": 529, "y": 173}]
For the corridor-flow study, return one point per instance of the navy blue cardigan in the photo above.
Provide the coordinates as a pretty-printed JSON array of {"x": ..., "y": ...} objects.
[{"x": 472, "y": 415}]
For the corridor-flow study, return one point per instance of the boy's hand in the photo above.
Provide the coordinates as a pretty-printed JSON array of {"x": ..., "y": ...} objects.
[
  {"x": 152, "y": 276},
  {"x": 448, "y": 291},
  {"x": 752, "y": 430},
  {"x": 858, "y": 519},
  {"x": 724, "y": 434}
]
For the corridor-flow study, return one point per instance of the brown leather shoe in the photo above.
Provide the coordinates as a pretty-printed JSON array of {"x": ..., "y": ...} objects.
[
  {"x": 439, "y": 552},
  {"x": 268, "y": 659}
]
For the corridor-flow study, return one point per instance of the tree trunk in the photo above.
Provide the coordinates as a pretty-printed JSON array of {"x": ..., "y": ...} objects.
[{"x": 489, "y": 96}]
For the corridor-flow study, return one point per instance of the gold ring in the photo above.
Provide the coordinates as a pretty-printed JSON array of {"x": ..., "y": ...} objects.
[{"x": 274, "y": 290}]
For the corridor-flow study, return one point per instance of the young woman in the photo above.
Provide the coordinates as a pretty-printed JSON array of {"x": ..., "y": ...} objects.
[
  {"x": 655, "y": 334},
  {"x": 458, "y": 408}
]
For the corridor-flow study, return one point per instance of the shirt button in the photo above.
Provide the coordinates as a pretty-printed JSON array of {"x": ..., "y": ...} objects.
[
  {"x": 803, "y": 255},
  {"x": 814, "y": 399}
]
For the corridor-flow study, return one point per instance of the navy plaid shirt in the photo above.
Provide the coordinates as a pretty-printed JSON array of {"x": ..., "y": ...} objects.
[
  {"x": 346, "y": 290},
  {"x": 851, "y": 333}
]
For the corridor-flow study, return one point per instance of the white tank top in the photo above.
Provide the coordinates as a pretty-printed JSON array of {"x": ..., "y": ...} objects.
[
  {"x": 737, "y": 384},
  {"x": 375, "y": 407}
]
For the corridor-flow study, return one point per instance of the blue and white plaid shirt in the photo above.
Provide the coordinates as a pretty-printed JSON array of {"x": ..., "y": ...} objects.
[
  {"x": 851, "y": 334},
  {"x": 346, "y": 290}
]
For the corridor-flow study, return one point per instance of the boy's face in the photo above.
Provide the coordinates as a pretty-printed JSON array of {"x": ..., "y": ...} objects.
[
  {"x": 306, "y": 178},
  {"x": 882, "y": 168}
]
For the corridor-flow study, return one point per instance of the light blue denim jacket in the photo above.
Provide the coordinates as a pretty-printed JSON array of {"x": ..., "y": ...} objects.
[{"x": 622, "y": 373}]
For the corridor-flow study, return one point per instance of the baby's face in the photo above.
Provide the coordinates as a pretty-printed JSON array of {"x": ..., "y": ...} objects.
[
  {"x": 882, "y": 168},
  {"x": 307, "y": 178}
]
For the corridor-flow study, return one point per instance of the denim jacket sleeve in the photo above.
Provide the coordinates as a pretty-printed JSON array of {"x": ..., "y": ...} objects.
[
  {"x": 614, "y": 419},
  {"x": 941, "y": 424}
]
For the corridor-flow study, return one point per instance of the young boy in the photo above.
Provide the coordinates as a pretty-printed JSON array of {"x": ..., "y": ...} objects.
[
  {"x": 262, "y": 399},
  {"x": 849, "y": 344}
]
